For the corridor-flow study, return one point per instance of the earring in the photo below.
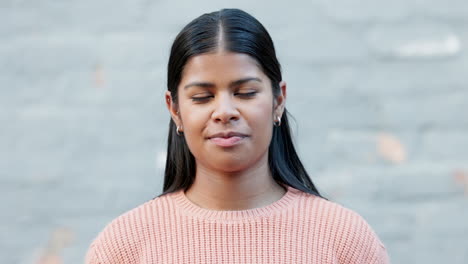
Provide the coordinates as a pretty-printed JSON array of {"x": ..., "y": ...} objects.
[
  {"x": 277, "y": 121},
  {"x": 179, "y": 130}
]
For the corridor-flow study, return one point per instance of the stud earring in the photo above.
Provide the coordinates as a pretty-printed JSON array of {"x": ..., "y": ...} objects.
[
  {"x": 277, "y": 121},
  {"x": 179, "y": 130}
]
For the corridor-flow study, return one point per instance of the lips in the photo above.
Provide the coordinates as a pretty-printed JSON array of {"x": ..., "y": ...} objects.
[
  {"x": 227, "y": 135},
  {"x": 227, "y": 139}
]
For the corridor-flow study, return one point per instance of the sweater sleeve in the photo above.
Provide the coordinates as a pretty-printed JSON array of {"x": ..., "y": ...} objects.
[
  {"x": 118, "y": 242},
  {"x": 91, "y": 256},
  {"x": 360, "y": 243},
  {"x": 375, "y": 251},
  {"x": 381, "y": 255}
]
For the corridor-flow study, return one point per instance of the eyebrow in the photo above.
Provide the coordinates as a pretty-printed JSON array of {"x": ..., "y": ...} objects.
[{"x": 232, "y": 84}]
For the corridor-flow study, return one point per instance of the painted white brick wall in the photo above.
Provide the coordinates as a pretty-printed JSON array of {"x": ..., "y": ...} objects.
[{"x": 378, "y": 89}]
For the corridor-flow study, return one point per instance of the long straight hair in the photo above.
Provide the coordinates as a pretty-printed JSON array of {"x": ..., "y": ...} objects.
[{"x": 240, "y": 33}]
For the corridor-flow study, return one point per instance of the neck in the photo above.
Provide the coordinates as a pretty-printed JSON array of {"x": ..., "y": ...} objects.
[{"x": 252, "y": 188}]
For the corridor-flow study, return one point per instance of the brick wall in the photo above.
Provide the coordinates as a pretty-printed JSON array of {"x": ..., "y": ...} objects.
[{"x": 378, "y": 89}]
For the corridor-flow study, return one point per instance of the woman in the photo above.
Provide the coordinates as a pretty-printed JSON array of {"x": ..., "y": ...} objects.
[{"x": 235, "y": 190}]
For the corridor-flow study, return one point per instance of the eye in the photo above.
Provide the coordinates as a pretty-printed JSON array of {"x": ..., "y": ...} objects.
[
  {"x": 201, "y": 98},
  {"x": 246, "y": 95}
]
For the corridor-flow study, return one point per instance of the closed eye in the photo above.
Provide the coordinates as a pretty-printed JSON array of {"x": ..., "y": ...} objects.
[
  {"x": 250, "y": 94},
  {"x": 201, "y": 99}
]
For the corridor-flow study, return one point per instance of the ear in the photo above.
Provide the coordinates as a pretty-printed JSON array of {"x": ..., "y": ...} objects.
[
  {"x": 173, "y": 109},
  {"x": 280, "y": 101}
]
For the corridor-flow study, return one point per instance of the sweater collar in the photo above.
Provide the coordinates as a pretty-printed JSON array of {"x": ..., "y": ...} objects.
[{"x": 187, "y": 207}]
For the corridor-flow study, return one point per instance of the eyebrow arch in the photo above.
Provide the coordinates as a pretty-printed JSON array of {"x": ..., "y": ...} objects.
[{"x": 232, "y": 84}]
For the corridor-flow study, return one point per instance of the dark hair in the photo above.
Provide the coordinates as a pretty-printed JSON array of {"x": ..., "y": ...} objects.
[{"x": 240, "y": 33}]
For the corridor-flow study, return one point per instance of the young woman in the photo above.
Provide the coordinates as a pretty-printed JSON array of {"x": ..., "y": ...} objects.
[{"x": 235, "y": 190}]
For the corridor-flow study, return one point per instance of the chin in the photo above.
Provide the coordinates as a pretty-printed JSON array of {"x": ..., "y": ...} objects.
[{"x": 230, "y": 165}]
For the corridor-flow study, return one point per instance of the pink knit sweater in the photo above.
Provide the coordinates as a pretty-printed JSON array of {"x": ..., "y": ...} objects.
[{"x": 298, "y": 228}]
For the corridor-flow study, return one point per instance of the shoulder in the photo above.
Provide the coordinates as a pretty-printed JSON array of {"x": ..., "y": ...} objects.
[
  {"x": 121, "y": 240},
  {"x": 351, "y": 236}
]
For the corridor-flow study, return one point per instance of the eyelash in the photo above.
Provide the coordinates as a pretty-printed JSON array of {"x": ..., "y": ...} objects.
[{"x": 246, "y": 95}]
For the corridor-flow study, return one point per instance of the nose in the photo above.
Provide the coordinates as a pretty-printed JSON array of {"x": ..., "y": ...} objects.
[{"x": 225, "y": 109}]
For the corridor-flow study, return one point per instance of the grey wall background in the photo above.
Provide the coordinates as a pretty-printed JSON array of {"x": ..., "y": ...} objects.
[{"x": 378, "y": 89}]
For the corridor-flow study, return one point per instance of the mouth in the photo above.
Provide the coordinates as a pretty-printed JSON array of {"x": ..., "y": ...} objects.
[
  {"x": 227, "y": 139},
  {"x": 227, "y": 142}
]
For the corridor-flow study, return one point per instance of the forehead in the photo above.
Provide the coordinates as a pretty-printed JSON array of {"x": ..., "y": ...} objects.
[{"x": 221, "y": 67}]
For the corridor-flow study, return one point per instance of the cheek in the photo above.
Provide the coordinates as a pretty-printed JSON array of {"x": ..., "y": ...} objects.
[
  {"x": 194, "y": 122},
  {"x": 261, "y": 121},
  {"x": 192, "y": 116}
]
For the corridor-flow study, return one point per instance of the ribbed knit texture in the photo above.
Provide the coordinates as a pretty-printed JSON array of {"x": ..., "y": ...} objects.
[{"x": 298, "y": 228}]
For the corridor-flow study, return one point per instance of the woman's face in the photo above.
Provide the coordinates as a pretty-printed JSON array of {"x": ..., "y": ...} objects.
[{"x": 226, "y": 110}]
